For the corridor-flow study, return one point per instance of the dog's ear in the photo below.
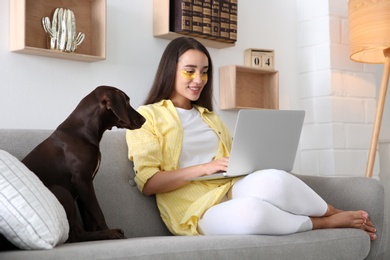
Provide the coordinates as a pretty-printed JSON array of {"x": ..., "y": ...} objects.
[{"x": 117, "y": 102}]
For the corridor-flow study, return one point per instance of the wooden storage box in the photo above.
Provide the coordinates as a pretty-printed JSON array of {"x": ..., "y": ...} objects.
[
  {"x": 28, "y": 36},
  {"x": 247, "y": 87}
]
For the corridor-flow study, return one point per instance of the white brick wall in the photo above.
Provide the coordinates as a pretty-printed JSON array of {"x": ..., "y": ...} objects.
[{"x": 338, "y": 95}]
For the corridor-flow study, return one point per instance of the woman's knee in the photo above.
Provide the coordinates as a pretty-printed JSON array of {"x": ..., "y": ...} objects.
[
  {"x": 253, "y": 214},
  {"x": 239, "y": 216},
  {"x": 262, "y": 184},
  {"x": 271, "y": 177}
]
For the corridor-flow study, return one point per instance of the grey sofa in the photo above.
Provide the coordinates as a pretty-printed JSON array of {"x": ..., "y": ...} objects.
[{"x": 125, "y": 207}]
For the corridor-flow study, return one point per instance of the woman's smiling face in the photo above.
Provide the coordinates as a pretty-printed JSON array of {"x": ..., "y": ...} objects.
[{"x": 191, "y": 77}]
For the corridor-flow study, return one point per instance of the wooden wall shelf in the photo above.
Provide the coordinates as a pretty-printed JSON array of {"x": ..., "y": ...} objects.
[
  {"x": 27, "y": 34},
  {"x": 246, "y": 87},
  {"x": 161, "y": 16}
]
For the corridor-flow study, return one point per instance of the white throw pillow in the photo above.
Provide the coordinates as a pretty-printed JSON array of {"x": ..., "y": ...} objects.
[{"x": 31, "y": 217}]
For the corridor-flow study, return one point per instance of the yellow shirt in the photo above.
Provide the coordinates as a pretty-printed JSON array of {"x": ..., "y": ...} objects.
[{"x": 157, "y": 146}]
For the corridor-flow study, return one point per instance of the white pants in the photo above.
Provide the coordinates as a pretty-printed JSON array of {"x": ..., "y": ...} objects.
[{"x": 267, "y": 202}]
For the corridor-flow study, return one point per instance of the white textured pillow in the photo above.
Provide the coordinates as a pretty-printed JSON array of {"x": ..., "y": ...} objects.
[{"x": 31, "y": 217}]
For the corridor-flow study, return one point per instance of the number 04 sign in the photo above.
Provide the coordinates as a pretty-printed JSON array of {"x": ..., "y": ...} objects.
[{"x": 259, "y": 58}]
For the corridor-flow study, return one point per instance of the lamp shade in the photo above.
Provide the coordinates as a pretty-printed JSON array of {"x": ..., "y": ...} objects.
[{"x": 369, "y": 29}]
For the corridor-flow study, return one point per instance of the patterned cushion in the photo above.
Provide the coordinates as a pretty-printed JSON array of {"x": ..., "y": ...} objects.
[{"x": 31, "y": 217}]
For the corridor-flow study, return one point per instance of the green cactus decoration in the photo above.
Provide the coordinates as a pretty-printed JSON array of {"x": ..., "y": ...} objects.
[{"x": 62, "y": 31}]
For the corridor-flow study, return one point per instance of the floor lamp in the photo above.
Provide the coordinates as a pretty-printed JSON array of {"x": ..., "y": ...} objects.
[{"x": 369, "y": 33}]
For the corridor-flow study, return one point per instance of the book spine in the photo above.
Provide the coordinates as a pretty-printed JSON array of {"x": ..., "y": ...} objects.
[
  {"x": 215, "y": 19},
  {"x": 182, "y": 16},
  {"x": 197, "y": 17},
  {"x": 224, "y": 26},
  {"x": 207, "y": 18},
  {"x": 233, "y": 20}
]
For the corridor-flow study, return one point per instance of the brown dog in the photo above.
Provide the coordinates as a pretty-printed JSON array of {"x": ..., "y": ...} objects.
[{"x": 67, "y": 161}]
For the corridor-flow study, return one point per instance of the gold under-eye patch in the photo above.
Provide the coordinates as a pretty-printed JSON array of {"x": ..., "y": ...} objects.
[
  {"x": 188, "y": 75},
  {"x": 192, "y": 75}
]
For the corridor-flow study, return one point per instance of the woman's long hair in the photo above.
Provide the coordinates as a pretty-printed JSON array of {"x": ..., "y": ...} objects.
[{"x": 164, "y": 81}]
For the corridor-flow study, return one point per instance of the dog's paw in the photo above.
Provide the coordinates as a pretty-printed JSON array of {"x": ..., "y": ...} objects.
[{"x": 116, "y": 234}]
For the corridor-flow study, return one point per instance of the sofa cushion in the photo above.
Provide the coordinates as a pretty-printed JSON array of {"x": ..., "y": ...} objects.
[
  {"x": 31, "y": 217},
  {"x": 344, "y": 244}
]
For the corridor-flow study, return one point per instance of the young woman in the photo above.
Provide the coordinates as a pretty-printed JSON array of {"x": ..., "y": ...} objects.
[{"x": 183, "y": 138}]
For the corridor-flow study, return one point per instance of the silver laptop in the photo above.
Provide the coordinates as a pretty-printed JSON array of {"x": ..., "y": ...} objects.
[{"x": 263, "y": 139}]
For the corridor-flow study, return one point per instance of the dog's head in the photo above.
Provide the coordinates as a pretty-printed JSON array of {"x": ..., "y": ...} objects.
[{"x": 116, "y": 105}]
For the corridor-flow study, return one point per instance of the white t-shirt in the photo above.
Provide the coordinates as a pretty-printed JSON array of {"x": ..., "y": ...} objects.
[{"x": 200, "y": 142}]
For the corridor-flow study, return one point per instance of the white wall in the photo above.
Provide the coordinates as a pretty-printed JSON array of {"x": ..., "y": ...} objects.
[
  {"x": 385, "y": 129},
  {"x": 39, "y": 92},
  {"x": 337, "y": 93}
]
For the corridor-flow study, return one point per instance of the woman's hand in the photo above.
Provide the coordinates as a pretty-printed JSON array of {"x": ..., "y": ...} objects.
[
  {"x": 219, "y": 165},
  {"x": 165, "y": 181}
]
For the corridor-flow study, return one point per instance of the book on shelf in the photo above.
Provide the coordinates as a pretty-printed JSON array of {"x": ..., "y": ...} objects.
[
  {"x": 224, "y": 25},
  {"x": 233, "y": 20},
  {"x": 215, "y": 19},
  {"x": 211, "y": 19},
  {"x": 181, "y": 21},
  {"x": 197, "y": 17},
  {"x": 207, "y": 18}
]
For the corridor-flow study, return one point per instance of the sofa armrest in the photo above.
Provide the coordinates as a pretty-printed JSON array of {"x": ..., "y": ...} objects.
[{"x": 355, "y": 193}]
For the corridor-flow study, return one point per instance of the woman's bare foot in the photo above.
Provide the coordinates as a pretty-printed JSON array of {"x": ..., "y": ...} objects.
[
  {"x": 331, "y": 211},
  {"x": 369, "y": 227},
  {"x": 335, "y": 218}
]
